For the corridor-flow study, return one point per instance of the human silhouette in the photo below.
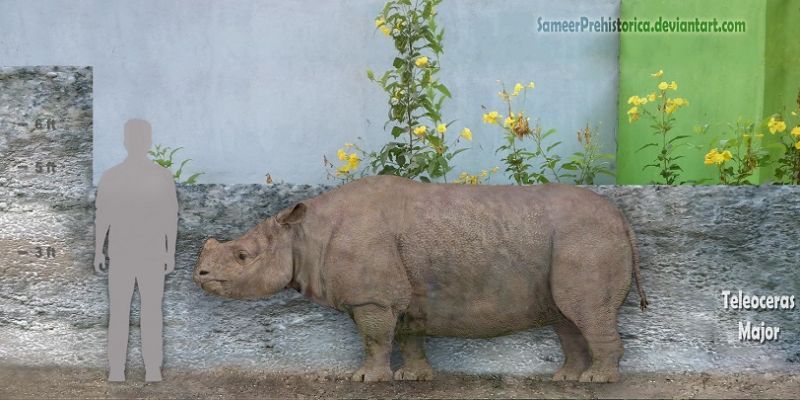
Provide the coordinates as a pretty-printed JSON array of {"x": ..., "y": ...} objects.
[{"x": 137, "y": 206}]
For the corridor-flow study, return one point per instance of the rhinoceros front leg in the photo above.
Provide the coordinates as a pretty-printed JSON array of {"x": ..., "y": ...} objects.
[
  {"x": 376, "y": 326},
  {"x": 415, "y": 364}
]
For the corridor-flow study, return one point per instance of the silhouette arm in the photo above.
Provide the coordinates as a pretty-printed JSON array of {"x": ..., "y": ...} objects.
[
  {"x": 101, "y": 226},
  {"x": 171, "y": 225}
]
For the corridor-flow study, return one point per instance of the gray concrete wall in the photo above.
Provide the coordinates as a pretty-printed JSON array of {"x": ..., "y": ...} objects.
[
  {"x": 694, "y": 243},
  {"x": 255, "y": 86}
]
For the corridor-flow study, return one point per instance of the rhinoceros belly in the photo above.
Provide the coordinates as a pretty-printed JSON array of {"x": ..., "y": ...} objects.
[{"x": 504, "y": 301}]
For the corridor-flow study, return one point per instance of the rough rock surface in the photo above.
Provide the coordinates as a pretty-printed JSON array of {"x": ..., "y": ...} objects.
[{"x": 694, "y": 243}]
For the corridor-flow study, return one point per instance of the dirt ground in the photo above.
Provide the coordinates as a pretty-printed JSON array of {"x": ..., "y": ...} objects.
[{"x": 51, "y": 382}]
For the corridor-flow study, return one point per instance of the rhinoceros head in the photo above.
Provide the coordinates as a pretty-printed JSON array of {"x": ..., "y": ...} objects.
[{"x": 258, "y": 264}]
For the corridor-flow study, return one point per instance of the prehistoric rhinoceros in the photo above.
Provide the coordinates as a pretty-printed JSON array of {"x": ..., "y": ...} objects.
[{"x": 407, "y": 260}]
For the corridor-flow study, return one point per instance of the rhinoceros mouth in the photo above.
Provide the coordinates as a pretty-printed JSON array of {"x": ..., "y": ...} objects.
[{"x": 213, "y": 285}]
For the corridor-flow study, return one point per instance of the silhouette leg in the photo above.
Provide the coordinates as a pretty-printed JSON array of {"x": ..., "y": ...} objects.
[
  {"x": 151, "y": 292},
  {"x": 120, "y": 291}
]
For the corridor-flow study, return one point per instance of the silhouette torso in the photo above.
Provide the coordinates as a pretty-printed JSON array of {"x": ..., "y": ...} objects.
[{"x": 139, "y": 198}]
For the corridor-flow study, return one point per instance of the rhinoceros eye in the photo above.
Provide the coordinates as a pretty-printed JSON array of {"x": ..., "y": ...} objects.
[{"x": 242, "y": 256}]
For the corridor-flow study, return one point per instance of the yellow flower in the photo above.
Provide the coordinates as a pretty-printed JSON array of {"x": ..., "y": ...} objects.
[
  {"x": 796, "y": 131},
  {"x": 637, "y": 101},
  {"x": 508, "y": 122},
  {"x": 673, "y": 85},
  {"x": 484, "y": 173},
  {"x": 341, "y": 154},
  {"x": 467, "y": 179},
  {"x": 715, "y": 157},
  {"x": 633, "y": 114},
  {"x": 348, "y": 145},
  {"x": 421, "y": 130},
  {"x": 680, "y": 102},
  {"x": 491, "y": 118},
  {"x": 663, "y": 86},
  {"x": 671, "y": 106},
  {"x": 658, "y": 74},
  {"x": 776, "y": 126},
  {"x": 380, "y": 22},
  {"x": 759, "y": 135},
  {"x": 385, "y": 29},
  {"x": 531, "y": 85},
  {"x": 421, "y": 62},
  {"x": 651, "y": 97},
  {"x": 797, "y": 145},
  {"x": 441, "y": 128},
  {"x": 708, "y": 159},
  {"x": 353, "y": 161},
  {"x": 518, "y": 88},
  {"x": 466, "y": 134},
  {"x": 495, "y": 169}
]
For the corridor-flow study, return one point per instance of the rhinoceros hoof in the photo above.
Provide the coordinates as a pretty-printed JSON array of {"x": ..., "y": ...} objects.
[
  {"x": 567, "y": 374},
  {"x": 372, "y": 375},
  {"x": 599, "y": 376},
  {"x": 414, "y": 373}
]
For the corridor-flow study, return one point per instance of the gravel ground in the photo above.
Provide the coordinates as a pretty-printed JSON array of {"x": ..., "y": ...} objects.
[{"x": 51, "y": 382}]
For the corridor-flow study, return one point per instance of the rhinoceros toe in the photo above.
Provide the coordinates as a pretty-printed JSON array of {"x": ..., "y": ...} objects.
[
  {"x": 414, "y": 373},
  {"x": 372, "y": 375},
  {"x": 567, "y": 374},
  {"x": 598, "y": 375}
]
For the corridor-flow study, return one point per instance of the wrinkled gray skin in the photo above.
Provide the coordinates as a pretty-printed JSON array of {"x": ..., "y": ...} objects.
[{"x": 407, "y": 259}]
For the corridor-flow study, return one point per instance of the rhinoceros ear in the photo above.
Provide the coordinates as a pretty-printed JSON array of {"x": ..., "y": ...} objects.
[{"x": 292, "y": 215}]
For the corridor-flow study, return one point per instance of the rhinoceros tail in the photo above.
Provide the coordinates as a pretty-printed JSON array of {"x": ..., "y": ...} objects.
[{"x": 635, "y": 256}]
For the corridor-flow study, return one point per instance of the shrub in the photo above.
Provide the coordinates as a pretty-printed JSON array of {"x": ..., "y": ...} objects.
[
  {"x": 738, "y": 154},
  {"x": 516, "y": 129},
  {"x": 419, "y": 147},
  {"x": 660, "y": 108},
  {"x": 164, "y": 156}
]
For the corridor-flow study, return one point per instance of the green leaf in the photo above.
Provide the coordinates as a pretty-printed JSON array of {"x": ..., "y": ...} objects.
[
  {"x": 552, "y": 146},
  {"x": 570, "y": 167},
  {"x": 679, "y": 137},
  {"x": 192, "y": 179},
  {"x": 646, "y": 146},
  {"x": 397, "y": 131},
  {"x": 443, "y": 90},
  {"x": 172, "y": 153}
]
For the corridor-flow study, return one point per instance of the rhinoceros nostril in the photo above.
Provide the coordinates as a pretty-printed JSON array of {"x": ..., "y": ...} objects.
[{"x": 203, "y": 272}]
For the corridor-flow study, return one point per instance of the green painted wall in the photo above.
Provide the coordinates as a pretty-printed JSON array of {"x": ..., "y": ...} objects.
[
  {"x": 782, "y": 55},
  {"x": 723, "y": 75}
]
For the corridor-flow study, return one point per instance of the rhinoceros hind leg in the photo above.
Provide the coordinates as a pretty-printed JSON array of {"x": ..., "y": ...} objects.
[
  {"x": 576, "y": 352},
  {"x": 588, "y": 291},
  {"x": 600, "y": 332},
  {"x": 376, "y": 326},
  {"x": 606, "y": 352},
  {"x": 415, "y": 364}
]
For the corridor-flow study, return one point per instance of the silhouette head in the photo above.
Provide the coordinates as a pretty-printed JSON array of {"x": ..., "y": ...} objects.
[{"x": 138, "y": 137}]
